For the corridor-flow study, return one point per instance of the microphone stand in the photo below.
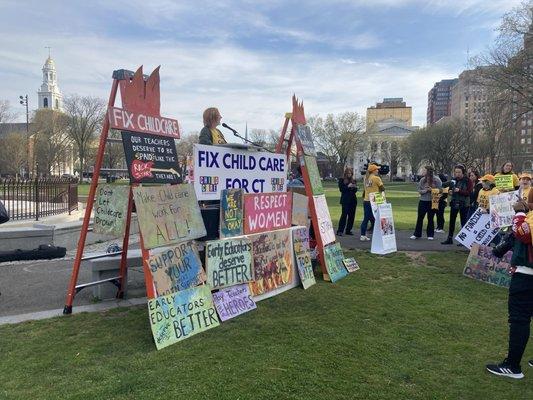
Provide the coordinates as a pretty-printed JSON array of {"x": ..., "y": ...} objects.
[{"x": 246, "y": 140}]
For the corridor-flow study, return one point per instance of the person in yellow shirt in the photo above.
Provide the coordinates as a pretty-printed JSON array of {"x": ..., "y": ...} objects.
[
  {"x": 507, "y": 169},
  {"x": 488, "y": 189},
  {"x": 372, "y": 184},
  {"x": 210, "y": 134},
  {"x": 525, "y": 186}
]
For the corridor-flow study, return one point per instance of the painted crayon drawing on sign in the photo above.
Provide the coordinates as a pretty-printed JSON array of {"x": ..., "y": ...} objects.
[
  {"x": 304, "y": 136},
  {"x": 180, "y": 315},
  {"x": 233, "y": 301},
  {"x": 314, "y": 175},
  {"x": 110, "y": 209},
  {"x": 231, "y": 213},
  {"x": 176, "y": 268},
  {"x": 334, "y": 262},
  {"x": 272, "y": 260},
  {"x": 229, "y": 262},
  {"x": 168, "y": 214},
  {"x": 302, "y": 256},
  {"x": 267, "y": 211},
  {"x": 324, "y": 219}
]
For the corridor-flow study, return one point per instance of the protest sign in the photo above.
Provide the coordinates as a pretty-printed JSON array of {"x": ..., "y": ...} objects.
[
  {"x": 110, "y": 209},
  {"x": 384, "y": 235},
  {"x": 176, "y": 268},
  {"x": 272, "y": 260},
  {"x": 304, "y": 136},
  {"x": 300, "y": 209},
  {"x": 150, "y": 158},
  {"x": 302, "y": 257},
  {"x": 267, "y": 211},
  {"x": 376, "y": 198},
  {"x": 501, "y": 209},
  {"x": 219, "y": 167},
  {"x": 180, "y": 315},
  {"x": 483, "y": 266},
  {"x": 231, "y": 215},
  {"x": 436, "y": 194},
  {"x": 168, "y": 214},
  {"x": 350, "y": 264},
  {"x": 228, "y": 262},
  {"x": 233, "y": 301},
  {"x": 314, "y": 175},
  {"x": 324, "y": 219},
  {"x": 504, "y": 182},
  {"x": 477, "y": 230},
  {"x": 124, "y": 120},
  {"x": 334, "y": 262}
]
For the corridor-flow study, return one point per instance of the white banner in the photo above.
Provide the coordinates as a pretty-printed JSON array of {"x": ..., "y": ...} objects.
[
  {"x": 501, "y": 209},
  {"x": 221, "y": 167},
  {"x": 384, "y": 235},
  {"x": 477, "y": 230},
  {"x": 325, "y": 225}
]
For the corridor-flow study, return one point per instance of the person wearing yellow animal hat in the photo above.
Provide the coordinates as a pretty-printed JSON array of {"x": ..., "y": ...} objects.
[
  {"x": 525, "y": 185},
  {"x": 488, "y": 189}
]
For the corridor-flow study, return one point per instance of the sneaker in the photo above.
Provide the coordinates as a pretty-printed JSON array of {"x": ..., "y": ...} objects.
[
  {"x": 530, "y": 363},
  {"x": 430, "y": 237},
  {"x": 447, "y": 241},
  {"x": 439, "y": 230},
  {"x": 505, "y": 369},
  {"x": 349, "y": 234},
  {"x": 364, "y": 238},
  {"x": 413, "y": 237}
]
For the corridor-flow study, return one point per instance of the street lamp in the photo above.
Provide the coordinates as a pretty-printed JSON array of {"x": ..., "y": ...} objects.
[{"x": 24, "y": 102}]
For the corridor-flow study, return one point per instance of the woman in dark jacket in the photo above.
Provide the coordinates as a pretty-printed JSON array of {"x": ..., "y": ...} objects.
[
  {"x": 348, "y": 188},
  {"x": 459, "y": 193},
  {"x": 474, "y": 176}
]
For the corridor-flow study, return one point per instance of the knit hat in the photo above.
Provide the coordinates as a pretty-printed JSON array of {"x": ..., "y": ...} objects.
[
  {"x": 372, "y": 168},
  {"x": 488, "y": 177}
]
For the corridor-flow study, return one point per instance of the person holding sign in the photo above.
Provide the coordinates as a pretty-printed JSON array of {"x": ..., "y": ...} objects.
[
  {"x": 506, "y": 179},
  {"x": 348, "y": 201},
  {"x": 372, "y": 184},
  {"x": 428, "y": 182},
  {"x": 210, "y": 134},
  {"x": 488, "y": 189},
  {"x": 460, "y": 189},
  {"x": 525, "y": 186}
]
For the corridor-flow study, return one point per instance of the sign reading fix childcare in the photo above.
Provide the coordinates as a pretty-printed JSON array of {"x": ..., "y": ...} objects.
[
  {"x": 228, "y": 262},
  {"x": 219, "y": 167},
  {"x": 267, "y": 211},
  {"x": 151, "y": 124},
  {"x": 110, "y": 209}
]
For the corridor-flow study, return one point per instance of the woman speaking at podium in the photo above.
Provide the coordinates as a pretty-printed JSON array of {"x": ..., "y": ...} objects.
[{"x": 210, "y": 133}]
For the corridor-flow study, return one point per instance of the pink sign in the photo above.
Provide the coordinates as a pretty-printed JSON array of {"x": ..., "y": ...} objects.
[{"x": 265, "y": 212}]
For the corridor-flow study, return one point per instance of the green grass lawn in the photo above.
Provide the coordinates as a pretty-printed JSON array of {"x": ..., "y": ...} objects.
[{"x": 400, "y": 328}]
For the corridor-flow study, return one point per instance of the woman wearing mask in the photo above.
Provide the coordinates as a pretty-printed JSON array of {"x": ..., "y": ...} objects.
[
  {"x": 372, "y": 184},
  {"x": 459, "y": 192},
  {"x": 426, "y": 183},
  {"x": 348, "y": 201}
]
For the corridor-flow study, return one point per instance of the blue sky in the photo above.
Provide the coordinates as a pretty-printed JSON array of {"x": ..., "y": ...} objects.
[{"x": 248, "y": 57}]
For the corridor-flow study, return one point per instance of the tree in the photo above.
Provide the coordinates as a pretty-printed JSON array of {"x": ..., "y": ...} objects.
[
  {"x": 114, "y": 152},
  {"x": 50, "y": 139},
  {"x": 6, "y": 115},
  {"x": 13, "y": 153},
  {"x": 184, "y": 148},
  {"x": 265, "y": 138},
  {"x": 85, "y": 117}
]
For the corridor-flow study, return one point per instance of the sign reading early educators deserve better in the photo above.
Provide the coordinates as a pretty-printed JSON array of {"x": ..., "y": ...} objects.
[
  {"x": 324, "y": 219},
  {"x": 168, "y": 214},
  {"x": 231, "y": 213},
  {"x": 314, "y": 175},
  {"x": 334, "y": 262},
  {"x": 219, "y": 167},
  {"x": 229, "y": 262},
  {"x": 233, "y": 301},
  {"x": 304, "y": 136},
  {"x": 150, "y": 158},
  {"x": 267, "y": 211},
  {"x": 110, "y": 209},
  {"x": 501, "y": 209},
  {"x": 302, "y": 256},
  {"x": 181, "y": 315},
  {"x": 477, "y": 230},
  {"x": 483, "y": 266},
  {"x": 176, "y": 268}
]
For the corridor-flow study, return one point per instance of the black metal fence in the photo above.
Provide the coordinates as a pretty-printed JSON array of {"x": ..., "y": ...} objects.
[{"x": 39, "y": 197}]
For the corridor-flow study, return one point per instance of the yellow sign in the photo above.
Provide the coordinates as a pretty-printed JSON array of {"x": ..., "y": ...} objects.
[
  {"x": 504, "y": 182},
  {"x": 435, "y": 198}
]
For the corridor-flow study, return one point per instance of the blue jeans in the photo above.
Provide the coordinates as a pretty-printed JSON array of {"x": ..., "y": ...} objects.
[{"x": 368, "y": 217}]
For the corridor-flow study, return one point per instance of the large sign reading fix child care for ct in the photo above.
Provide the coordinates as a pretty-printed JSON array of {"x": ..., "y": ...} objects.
[{"x": 219, "y": 167}]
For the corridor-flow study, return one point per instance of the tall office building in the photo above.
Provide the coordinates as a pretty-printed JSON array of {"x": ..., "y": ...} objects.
[{"x": 440, "y": 100}]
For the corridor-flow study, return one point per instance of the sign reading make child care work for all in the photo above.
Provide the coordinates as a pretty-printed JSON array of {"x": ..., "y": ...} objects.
[
  {"x": 302, "y": 256},
  {"x": 180, "y": 315},
  {"x": 176, "y": 268},
  {"x": 483, "y": 266},
  {"x": 233, "y": 301},
  {"x": 231, "y": 210},
  {"x": 150, "y": 158},
  {"x": 501, "y": 209},
  {"x": 477, "y": 230},
  {"x": 229, "y": 262},
  {"x": 218, "y": 167},
  {"x": 334, "y": 262},
  {"x": 110, "y": 209},
  {"x": 324, "y": 219},
  {"x": 267, "y": 211},
  {"x": 304, "y": 136},
  {"x": 168, "y": 214}
]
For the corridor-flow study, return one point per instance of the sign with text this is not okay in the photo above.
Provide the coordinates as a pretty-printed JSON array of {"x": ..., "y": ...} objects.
[{"x": 267, "y": 211}]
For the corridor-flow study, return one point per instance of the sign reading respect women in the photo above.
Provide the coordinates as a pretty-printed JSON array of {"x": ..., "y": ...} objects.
[{"x": 218, "y": 167}]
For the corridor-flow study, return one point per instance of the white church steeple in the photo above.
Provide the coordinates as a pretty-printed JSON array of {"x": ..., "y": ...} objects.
[{"x": 49, "y": 95}]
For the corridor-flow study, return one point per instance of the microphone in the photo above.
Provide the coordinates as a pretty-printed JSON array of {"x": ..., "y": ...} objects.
[{"x": 228, "y": 127}]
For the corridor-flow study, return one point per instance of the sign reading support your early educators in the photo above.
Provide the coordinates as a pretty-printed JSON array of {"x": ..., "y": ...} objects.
[
  {"x": 219, "y": 167},
  {"x": 477, "y": 230},
  {"x": 267, "y": 211},
  {"x": 384, "y": 235},
  {"x": 231, "y": 213},
  {"x": 324, "y": 219},
  {"x": 334, "y": 262},
  {"x": 168, "y": 214},
  {"x": 150, "y": 158},
  {"x": 233, "y": 301},
  {"x": 180, "y": 315},
  {"x": 302, "y": 257},
  {"x": 110, "y": 209},
  {"x": 229, "y": 262},
  {"x": 483, "y": 266}
]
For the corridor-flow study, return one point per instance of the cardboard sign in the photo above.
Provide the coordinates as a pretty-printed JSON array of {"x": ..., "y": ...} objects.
[
  {"x": 229, "y": 262},
  {"x": 272, "y": 260},
  {"x": 324, "y": 220},
  {"x": 168, "y": 214},
  {"x": 302, "y": 257},
  {"x": 219, "y": 167},
  {"x": 435, "y": 198},
  {"x": 376, "y": 198},
  {"x": 477, "y": 230},
  {"x": 504, "y": 182},
  {"x": 233, "y": 301},
  {"x": 181, "y": 315},
  {"x": 300, "y": 209},
  {"x": 501, "y": 209},
  {"x": 334, "y": 262},
  {"x": 314, "y": 175},
  {"x": 231, "y": 213},
  {"x": 123, "y": 120},
  {"x": 384, "y": 235},
  {"x": 267, "y": 211},
  {"x": 176, "y": 268},
  {"x": 350, "y": 264},
  {"x": 483, "y": 266},
  {"x": 110, "y": 209},
  {"x": 150, "y": 158},
  {"x": 304, "y": 136}
]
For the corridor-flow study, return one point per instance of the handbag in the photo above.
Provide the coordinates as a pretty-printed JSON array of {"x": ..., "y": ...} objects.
[{"x": 4, "y": 216}]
